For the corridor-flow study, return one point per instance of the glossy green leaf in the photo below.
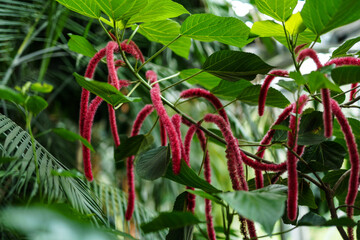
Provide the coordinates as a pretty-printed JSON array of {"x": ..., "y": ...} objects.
[
  {"x": 80, "y": 45},
  {"x": 188, "y": 177},
  {"x": 278, "y": 9},
  {"x": 345, "y": 75},
  {"x": 306, "y": 196},
  {"x": 264, "y": 206},
  {"x": 311, "y": 129},
  {"x": 41, "y": 87},
  {"x": 120, "y": 9},
  {"x": 311, "y": 219},
  {"x": 164, "y": 32},
  {"x": 208, "y": 28},
  {"x": 295, "y": 25},
  {"x": 332, "y": 177},
  {"x": 317, "y": 81},
  {"x": 345, "y": 47},
  {"x": 104, "y": 90},
  {"x": 342, "y": 222},
  {"x": 291, "y": 86},
  {"x": 9, "y": 94},
  {"x": 230, "y": 90},
  {"x": 205, "y": 195},
  {"x": 234, "y": 65},
  {"x": 275, "y": 98},
  {"x": 157, "y": 10},
  {"x": 36, "y": 104},
  {"x": 204, "y": 79},
  {"x": 323, "y": 157},
  {"x": 72, "y": 137},
  {"x": 132, "y": 146},
  {"x": 87, "y": 8},
  {"x": 152, "y": 164},
  {"x": 267, "y": 29},
  {"x": 323, "y": 16},
  {"x": 170, "y": 220}
]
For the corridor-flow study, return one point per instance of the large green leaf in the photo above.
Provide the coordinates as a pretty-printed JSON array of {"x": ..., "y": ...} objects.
[
  {"x": 188, "y": 177},
  {"x": 306, "y": 196},
  {"x": 36, "y": 104},
  {"x": 132, "y": 146},
  {"x": 164, "y": 32},
  {"x": 234, "y": 65},
  {"x": 80, "y": 45},
  {"x": 157, "y": 10},
  {"x": 208, "y": 28},
  {"x": 9, "y": 94},
  {"x": 204, "y": 79},
  {"x": 230, "y": 90},
  {"x": 295, "y": 25},
  {"x": 72, "y": 137},
  {"x": 322, "y": 157},
  {"x": 87, "y": 8},
  {"x": 345, "y": 75},
  {"x": 170, "y": 220},
  {"x": 323, "y": 16},
  {"x": 274, "y": 97},
  {"x": 313, "y": 219},
  {"x": 278, "y": 9},
  {"x": 120, "y": 9},
  {"x": 317, "y": 81},
  {"x": 104, "y": 90},
  {"x": 267, "y": 29},
  {"x": 332, "y": 178},
  {"x": 345, "y": 47},
  {"x": 152, "y": 164},
  {"x": 264, "y": 206}
]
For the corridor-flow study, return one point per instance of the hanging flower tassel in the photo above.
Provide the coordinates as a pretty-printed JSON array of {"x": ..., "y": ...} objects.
[
  {"x": 132, "y": 49},
  {"x": 353, "y": 92},
  {"x": 354, "y": 160}
]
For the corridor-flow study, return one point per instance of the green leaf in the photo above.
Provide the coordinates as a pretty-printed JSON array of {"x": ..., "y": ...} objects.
[
  {"x": 204, "y": 79},
  {"x": 73, "y": 173},
  {"x": 132, "y": 146},
  {"x": 332, "y": 177},
  {"x": 234, "y": 65},
  {"x": 278, "y": 9},
  {"x": 275, "y": 98},
  {"x": 339, "y": 136},
  {"x": 306, "y": 196},
  {"x": 120, "y": 9},
  {"x": 264, "y": 206},
  {"x": 104, "y": 90},
  {"x": 345, "y": 47},
  {"x": 189, "y": 178},
  {"x": 80, "y": 45},
  {"x": 230, "y": 90},
  {"x": 36, "y": 104},
  {"x": 317, "y": 81},
  {"x": 311, "y": 219},
  {"x": 152, "y": 164},
  {"x": 157, "y": 10},
  {"x": 7, "y": 159},
  {"x": 87, "y": 8},
  {"x": 345, "y": 75},
  {"x": 72, "y": 137},
  {"x": 291, "y": 86},
  {"x": 281, "y": 127},
  {"x": 298, "y": 77},
  {"x": 208, "y": 28},
  {"x": 311, "y": 129},
  {"x": 170, "y": 220},
  {"x": 41, "y": 87},
  {"x": 323, "y": 157},
  {"x": 323, "y": 16},
  {"x": 358, "y": 230},
  {"x": 9, "y": 94},
  {"x": 342, "y": 222},
  {"x": 205, "y": 195},
  {"x": 267, "y": 29},
  {"x": 305, "y": 37},
  {"x": 295, "y": 24},
  {"x": 164, "y": 32}
]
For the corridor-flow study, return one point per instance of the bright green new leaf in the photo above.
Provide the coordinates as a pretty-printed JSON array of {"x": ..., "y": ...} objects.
[
  {"x": 152, "y": 164},
  {"x": 345, "y": 47},
  {"x": 9, "y": 94},
  {"x": 80, "y": 45},
  {"x": 267, "y": 29},
  {"x": 234, "y": 65},
  {"x": 264, "y": 206},
  {"x": 278, "y": 9},
  {"x": 295, "y": 25},
  {"x": 164, "y": 32},
  {"x": 41, "y": 87},
  {"x": 87, "y": 8},
  {"x": 208, "y": 28},
  {"x": 345, "y": 75},
  {"x": 121, "y": 9},
  {"x": 157, "y": 10},
  {"x": 317, "y": 81},
  {"x": 305, "y": 37},
  {"x": 36, "y": 104},
  {"x": 323, "y": 16},
  {"x": 72, "y": 137},
  {"x": 204, "y": 79},
  {"x": 104, "y": 90},
  {"x": 230, "y": 90},
  {"x": 275, "y": 98}
]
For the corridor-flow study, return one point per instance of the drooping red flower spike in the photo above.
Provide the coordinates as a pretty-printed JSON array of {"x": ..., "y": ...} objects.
[
  {"x": 298, "y": 48},
  {"x": 265, "y": 87},
  {"x": 309, "y": 52},
  {"x": 354, "y": 160},
  {"x": 353, "y": 92},
  {"x": 132, "y": 49},
  {"x": 171, "y": 132},
  {"x": 344, "y": 61},
  {"x": 291, "y": 158},
  {"x": 199, "y": 92},
  {"x": 142, "y": 115}
]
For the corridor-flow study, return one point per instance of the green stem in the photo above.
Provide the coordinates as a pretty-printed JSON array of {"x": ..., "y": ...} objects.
[
  {"x": 181, "y": 81},
  {"x": 273, "y": 234},
  {"x": 158, "y": 52},
  {"x": 204, "y": 156},
  {"x": 133, "y": 34},
  {"x": 166, "y": 78},
  {"x": 128, "y": 95},
  {"x": 103, "y": 27}
]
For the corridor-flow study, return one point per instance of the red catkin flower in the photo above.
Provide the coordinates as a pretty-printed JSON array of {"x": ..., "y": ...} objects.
[
  {"x": 142, "y": 115},
  {"x": 311, "y": 54},
  {"x": 132, "y": 49},
  {"x": 343, "y": 61},
  {"x": 354, "y": 160},
  {"x": 171, "y": 132},
  {"x": 291, "y": 159},
  {"x": 265, "y": 87},
  {"x": 199, "y": 92},
  {"x": 298, "y": 48},
  {"x": 353, "y": 92}
]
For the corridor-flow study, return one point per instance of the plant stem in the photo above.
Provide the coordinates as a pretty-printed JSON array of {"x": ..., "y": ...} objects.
[
  {"x": 133, "y": 34},
  {"x": 181, "y": 81},
  {"x": 128, "y": 95},
  {"x": 166, "y": 78},
  {"x": 339, "y": 181},
  {"x": 158, "y": 52},
  {"x": 278, "y": 233}
]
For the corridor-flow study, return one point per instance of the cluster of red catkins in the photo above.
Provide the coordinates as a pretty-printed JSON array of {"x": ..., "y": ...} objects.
[{"x": 180, "y": 149}]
